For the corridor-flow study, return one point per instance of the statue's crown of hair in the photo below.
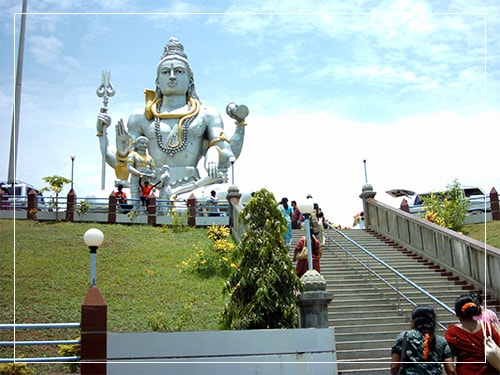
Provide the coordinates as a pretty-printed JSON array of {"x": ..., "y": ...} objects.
[{"x": 174, "y": 49}]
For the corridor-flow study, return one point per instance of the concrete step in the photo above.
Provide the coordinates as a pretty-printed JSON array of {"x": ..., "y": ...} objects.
[
  {"x": 367, "y": 327},
  {"x": 370, "y": 365},
  {"x": 337, "y": 320},
  {"x": 367, "y": 353},
  {"x": 345, "y": 346},
  {"x": 335, "y": 314},
  {"x": 366, "y": 336}
]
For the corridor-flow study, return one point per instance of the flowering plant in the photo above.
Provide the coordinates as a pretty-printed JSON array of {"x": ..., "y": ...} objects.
[{"x": 213, "y": 261}]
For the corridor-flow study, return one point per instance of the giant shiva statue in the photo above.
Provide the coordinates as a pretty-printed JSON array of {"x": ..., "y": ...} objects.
[{"x": 180, "y": 130}]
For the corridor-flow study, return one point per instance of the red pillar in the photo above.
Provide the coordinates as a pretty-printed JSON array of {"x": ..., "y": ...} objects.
[
  {"x": 32, "y": 204},
  {"x": 4, "y": 200},
  {"x": 112, "y": 208},
  {"x": 191, "y": 203},
  {"x": 70, "y": 205},
  {"x": 152, "y": 210},
  {"x": 404, "y": 205},
  {"x": 93, "y": 326},
  {"x": 495, "y": 207}
]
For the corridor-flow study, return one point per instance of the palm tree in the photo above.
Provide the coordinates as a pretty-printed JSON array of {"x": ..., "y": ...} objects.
[{"x": 56, "y": 184}]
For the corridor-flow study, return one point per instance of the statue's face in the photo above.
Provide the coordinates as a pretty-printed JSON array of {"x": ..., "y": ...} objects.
[
  {"x": 173, "y": 78},
  {"x": 142, "y": 144}
]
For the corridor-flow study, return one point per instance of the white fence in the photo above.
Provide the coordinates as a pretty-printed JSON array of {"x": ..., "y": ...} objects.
[{"x": 105, "y": 210}]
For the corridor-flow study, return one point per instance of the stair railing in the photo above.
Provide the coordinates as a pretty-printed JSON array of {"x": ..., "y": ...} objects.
[{"x": 371, "y": 272}]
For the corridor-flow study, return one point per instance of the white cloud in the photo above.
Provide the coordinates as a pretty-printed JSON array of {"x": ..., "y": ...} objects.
[
  {"x": 323, "y": 155},
  {"x": 45, "y": 49}
]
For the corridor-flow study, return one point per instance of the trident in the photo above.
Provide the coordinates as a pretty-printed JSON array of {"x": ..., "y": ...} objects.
[{"x": 105, "y": 90}]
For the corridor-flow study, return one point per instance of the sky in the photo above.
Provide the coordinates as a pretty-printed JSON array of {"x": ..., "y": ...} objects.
[{"x": 410, "y": 86}]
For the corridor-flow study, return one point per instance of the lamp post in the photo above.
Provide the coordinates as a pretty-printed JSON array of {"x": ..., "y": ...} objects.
[
  {"x": 232, "y": 160},
  {"x": 93, "y": 238},
  {"x": 306, "y": 209},
  {"x": 94, "y": 318},
  {"x": 366, "y": 175},
  {"x": 72, "y": 169}
]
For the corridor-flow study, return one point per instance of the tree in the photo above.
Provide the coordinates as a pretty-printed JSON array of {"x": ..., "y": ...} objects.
[
  {"x": 56, "y": 184},
  {"x": 447, "y": 209},
  {"x": 263, "y": 289}
]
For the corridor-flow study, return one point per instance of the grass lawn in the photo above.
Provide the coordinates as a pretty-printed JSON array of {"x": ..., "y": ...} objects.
[
  {"x": 136, "y": 274},
  {"x": 489, "y": 233}
]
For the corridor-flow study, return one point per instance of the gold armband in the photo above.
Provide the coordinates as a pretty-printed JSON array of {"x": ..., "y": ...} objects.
[
  {"x": 220, "y": 139},
  {"x": 241, "y": 123},
  {"x": 100, "y": 134}
]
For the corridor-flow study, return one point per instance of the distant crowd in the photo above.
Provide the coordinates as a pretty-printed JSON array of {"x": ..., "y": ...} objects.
[{"x": 295, "y": 219}]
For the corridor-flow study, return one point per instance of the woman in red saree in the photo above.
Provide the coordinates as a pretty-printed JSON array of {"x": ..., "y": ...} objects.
[
  {"x": 302, "y": 264},
  {"x": 466, "y": 339}
]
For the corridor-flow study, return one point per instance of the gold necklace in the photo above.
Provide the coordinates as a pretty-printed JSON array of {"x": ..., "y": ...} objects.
[
  {"x": 185, "y": 120},
  {"x": 194, "y": 106}
]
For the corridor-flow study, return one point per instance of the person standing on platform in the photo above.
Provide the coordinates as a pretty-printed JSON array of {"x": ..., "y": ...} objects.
[
  {"x": 297, "y": 216},
  {"x": 287, "y": 212},
  {"x": 146, "y": 189}
]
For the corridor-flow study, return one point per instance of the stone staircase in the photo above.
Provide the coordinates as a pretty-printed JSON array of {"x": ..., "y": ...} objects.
[{"x": 365, "y": 311}]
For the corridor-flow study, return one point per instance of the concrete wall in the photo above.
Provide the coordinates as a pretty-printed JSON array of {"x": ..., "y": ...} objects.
[
  {"x": 277, "y": 351},
  {"x": 472, "y": 260},
  {"x": 14, "y": 214}
]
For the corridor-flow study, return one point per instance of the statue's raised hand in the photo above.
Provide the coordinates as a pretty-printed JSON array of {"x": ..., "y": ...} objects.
[
  {"x": 237, "y": 112},
  {"x": 123, "y": 139},
  {"x": 103, "y": 121}
]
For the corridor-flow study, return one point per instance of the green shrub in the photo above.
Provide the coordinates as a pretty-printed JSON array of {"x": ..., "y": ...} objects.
[
  {"x": 447, "y": 209},
  {"x": 82, "y": 208},
  {"x": 263, "y": 288},
  {"x": 182, "y": 320},
  {"x": 218, "y": 232},
  {"x": 216, "y": 260},
  {"x": 70, "y": 350},
  {"x": 132, "y": 215},
  {"x": 15, "y": 369},
  {"x": 179, "y": 222}
]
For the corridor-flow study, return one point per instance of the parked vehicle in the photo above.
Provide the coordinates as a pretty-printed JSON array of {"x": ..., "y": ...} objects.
[
  {"x": 18, "y": 195},
  {"x": 478, "y": 201}
]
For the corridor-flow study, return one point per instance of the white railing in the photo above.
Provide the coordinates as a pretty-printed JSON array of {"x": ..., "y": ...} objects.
[
  {"x": 205, "y": 212},
  {"x": 14, "y": 343}
]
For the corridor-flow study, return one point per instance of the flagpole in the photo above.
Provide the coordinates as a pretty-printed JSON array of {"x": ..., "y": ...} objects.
[{"x": 17, "y": 98}]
